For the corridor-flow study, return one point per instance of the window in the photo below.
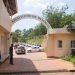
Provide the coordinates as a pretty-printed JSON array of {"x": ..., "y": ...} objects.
[
  {"x": 60, "y": 43},
  {"x": 72, "y": 43}
]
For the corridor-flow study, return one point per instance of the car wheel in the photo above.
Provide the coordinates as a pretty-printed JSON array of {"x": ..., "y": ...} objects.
[
  {"x": 29, "y": 51},
  {"x": 24, "y": 52}
]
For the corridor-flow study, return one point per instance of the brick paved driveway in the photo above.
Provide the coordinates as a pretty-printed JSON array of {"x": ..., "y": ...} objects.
[{"x": 35, "y": 62}]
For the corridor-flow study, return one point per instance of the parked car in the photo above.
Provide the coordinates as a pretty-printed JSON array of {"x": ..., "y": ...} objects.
[
  {"x": 20, "y": 50},
  {"x": 34, "y": 49},
  {"x": 41, "y": 49}
]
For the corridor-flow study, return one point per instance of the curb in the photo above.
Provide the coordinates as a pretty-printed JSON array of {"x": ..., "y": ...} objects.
[
  {"x": 71, "y": 70},
  {"x": 25, "y": 72}
]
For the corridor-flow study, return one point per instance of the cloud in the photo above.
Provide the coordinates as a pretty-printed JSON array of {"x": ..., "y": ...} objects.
[
  {"x": 69, "y": 0},
  {"x": 28, "y": 12},
  {"x": 27, "y": 2},
  {"x": 61, "y": 4},
  {"x": 36, "y": 4},
  {"x": 36, "y": 21},
  {"x": 41, "y": 5},
  {"x": 44, "y": 3}
]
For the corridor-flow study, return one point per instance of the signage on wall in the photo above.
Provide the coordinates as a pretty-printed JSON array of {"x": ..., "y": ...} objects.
[{"x": 31, "y": 16}]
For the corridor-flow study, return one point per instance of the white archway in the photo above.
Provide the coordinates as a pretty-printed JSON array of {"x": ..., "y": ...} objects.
[{"x": 31, "y": 16}]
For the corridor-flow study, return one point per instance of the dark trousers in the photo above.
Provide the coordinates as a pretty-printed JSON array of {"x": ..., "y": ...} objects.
[
  {"x": 0, "y": 58},
  {"x": 11, "y": 59}
]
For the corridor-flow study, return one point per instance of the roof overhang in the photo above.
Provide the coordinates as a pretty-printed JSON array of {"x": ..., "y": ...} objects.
[
  {"x": 59, "y": 31},
  {"x": 11, "y": 6}
]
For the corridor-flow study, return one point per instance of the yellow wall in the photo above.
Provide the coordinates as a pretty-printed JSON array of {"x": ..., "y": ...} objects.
[
  {"x": 53, "y": 49},
  {"x": 4, "y": 46}
]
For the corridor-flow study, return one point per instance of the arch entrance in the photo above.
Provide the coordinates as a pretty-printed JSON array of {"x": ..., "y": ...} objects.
[{"x": 31, "y": 16}]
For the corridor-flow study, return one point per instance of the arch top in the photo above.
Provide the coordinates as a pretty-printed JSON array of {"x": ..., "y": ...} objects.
[{"x": 32, "y": 16}]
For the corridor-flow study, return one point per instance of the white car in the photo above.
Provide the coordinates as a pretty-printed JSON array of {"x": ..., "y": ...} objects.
[{"x": 34, "y": 49}]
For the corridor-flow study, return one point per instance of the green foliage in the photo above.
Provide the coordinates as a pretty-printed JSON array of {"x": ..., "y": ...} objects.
[
  {"x": 40, "y": 30},
  {"x": 71, "y": 27},
  {"x": 16, "y": 36},
  {"x": 67, "y": 19},
  {"x": 58, "y": 17},
  {"x": 31, "y": 35},
  {"x": 25, "y": 35},
  {"x": 67, "y": 58},
  {"x": 36, "y": 40},
  {"x": 55, "y": 16},
  {"x": 70, "y": 58}
]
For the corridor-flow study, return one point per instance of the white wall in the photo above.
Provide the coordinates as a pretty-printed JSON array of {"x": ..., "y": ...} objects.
[
  {"x": 4, "y": 17},
  {"x": 5, "y": 29}
]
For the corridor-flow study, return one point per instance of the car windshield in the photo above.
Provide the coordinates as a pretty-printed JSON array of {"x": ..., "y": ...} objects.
[{"x": 20, "y": 47}]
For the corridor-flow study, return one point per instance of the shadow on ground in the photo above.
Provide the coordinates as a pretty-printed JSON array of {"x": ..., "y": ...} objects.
[{"x": 20, "y": 65}]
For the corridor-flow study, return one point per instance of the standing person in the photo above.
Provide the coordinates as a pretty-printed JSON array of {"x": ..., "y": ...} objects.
[
  {"x": 0, "y": 56},
  {"x": 11, "y": 54}
]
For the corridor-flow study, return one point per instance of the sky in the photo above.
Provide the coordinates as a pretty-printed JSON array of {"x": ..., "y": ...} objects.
[{"x": 36, "y": 7}]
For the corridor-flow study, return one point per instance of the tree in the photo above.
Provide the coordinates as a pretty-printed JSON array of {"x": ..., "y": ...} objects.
[
  {"x": 31, "y": 35},
  {"x": 24, "y": 32},
  {"x": 40, "y": 29},
  {"x": 71, "y": 27},
  {"x": 54, "y": 16},
  {"x": 43, "y": 29},
  {"x": 67, "y": 19},
  {"x": 24, "y": 35},
  {"x": 37, "y": 30},
  {"x": 16, "y": 36}
]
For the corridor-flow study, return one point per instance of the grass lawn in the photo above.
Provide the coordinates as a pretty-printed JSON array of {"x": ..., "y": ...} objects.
[{"x": 70, "y": 58}]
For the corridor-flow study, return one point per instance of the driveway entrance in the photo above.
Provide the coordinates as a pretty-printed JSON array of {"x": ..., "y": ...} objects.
[{"x": 35, "y": 62}]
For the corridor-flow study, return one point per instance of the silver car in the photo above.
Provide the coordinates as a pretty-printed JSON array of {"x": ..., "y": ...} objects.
[{"x": 20, "y": 50}]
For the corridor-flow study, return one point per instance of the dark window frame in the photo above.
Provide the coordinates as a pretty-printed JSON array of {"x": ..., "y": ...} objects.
[
  {"x": 72, "y": 43},
  {"x": 60, "y": 44}
]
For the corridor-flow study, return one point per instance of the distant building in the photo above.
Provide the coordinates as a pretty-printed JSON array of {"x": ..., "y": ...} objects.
[
  {"x": 60, "y": 42},
  {"x": 7, "y": 9}
]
